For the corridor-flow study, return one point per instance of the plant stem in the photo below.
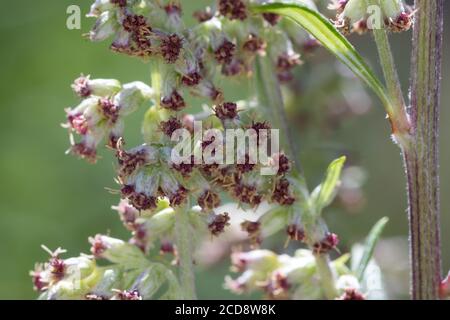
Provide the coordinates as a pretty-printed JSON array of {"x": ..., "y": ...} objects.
[
  {"x": 421, "y": 159},
  {"x": 399, "y": 119},
  {"x": 184, "y": 242},
  {"x": 326, "y": 276},
  {"x": 417, "y": 134},
  {"x": 270, "y": 98},
  {"x": 183, "y": 231}
]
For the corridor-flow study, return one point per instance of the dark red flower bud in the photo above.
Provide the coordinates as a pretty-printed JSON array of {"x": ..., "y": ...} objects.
[
  {"x": 283, "y": 163},
  {"x": 208, "y": 200},
  {"x": 226, "y": 111},
  {"x": 84, "y": 151},
  {"x": 179, "y": 197},
  {"x": 171, "y": 47},
  {"x": 218, "y": 225},
  {"x": 282, "y": 194},
  {"x": 233, "y": 9},
  {"x": 57, "y": 268},
  {"x": 225, "y": 52},
  {"x": 271, "y": 18},
  {"x": 170, "y": 126},
  {"x": 247, "y": 194},
  {"x": 327, "y": 244},
  {"x": 255, "y": 45},
  {"x": 295, "y": 232},
  {"x": 191, "y": 79},
  {"x": 109, "y": 110},
  {"x": 174, "y": 102}
]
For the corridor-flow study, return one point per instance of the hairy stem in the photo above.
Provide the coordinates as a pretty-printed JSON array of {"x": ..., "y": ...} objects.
[
  {"x": 401, "y": 126},
  {"x": 417, "y": 134},
  {"x": 421, "y": 158},
  {"x": 270, "y": 98},
  {"x": 184, "y": 242}
]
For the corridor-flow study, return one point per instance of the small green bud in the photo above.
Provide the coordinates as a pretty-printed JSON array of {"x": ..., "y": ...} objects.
[
  {"x": 117, "y": 251},
  {"x": 105, "y": 27},
  {"x": 132, "y": 96},
  {"x": 84, "y": 86}
]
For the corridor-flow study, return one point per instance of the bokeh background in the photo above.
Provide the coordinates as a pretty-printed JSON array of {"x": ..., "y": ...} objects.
[{"x": 49, "y": 198}]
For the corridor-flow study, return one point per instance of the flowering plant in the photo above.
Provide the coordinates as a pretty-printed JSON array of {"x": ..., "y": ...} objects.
[{"x": 170, "y": 202}]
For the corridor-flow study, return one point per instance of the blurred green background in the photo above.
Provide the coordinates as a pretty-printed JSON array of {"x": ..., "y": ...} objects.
[{"x": 49, "y": 198}]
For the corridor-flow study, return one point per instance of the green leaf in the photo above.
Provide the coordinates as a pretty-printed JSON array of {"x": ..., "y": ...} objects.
[
  {"x": 325, "y": 32},
  {"x": 369, "y": 246},
  {"x": 324, "y": 194}
]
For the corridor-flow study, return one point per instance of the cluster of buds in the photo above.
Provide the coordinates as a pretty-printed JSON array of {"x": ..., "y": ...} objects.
[
  {"x": 128, "y": 276},
  {"x": 65, "y": 278},
  {"x": 147, "y": 228},
  {"x": 285, "y": 277},
  {"x": 360, "y": 16},
  {"x": 100, "y": 115},
  {"x": 152, "y": 186}
]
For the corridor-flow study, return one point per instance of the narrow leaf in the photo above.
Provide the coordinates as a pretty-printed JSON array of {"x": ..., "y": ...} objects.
[
  {"x": 324, "y": 194},
  {"x": 325, "y": 32},
  {"x": 369, "y": 246}
]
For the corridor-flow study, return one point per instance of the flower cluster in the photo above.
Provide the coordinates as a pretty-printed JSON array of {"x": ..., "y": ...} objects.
[
  {"x": 154, "y": 188},
  {"x": 100, "y": 115},
  {"x": 288, "y": 277},
  {"x": 358, "y": 16},
  {"x": 128, "y": 276}
]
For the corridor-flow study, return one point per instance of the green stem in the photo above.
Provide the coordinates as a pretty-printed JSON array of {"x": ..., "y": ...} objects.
[
  {"x": 421, "y": 159},
  {"x": 270, "y": 98},
  {"x": 326, "y": 276},
  {"x": 399, "y": 118},
  {"x": 183, "y": 230},
  {"x": 185, "y": 250},
  {"x": 417, "y": 135}
]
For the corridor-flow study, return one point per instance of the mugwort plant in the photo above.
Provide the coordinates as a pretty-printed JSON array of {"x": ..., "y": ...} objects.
[{"x": 173, "y": 186}]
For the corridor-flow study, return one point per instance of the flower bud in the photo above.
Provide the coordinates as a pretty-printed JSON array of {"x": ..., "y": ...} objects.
[
  {"x": 217, "y": 223},
  {"x": 260, "y": 260},
  {"x": 85, "y": 86},
  {"x": 132, "y": 96},
  {"x": 80, "y": 276},
  {"x": 104, "y": 27},
  {"x": 100, "y": 6},
  {"x": 116, "y": 251}
]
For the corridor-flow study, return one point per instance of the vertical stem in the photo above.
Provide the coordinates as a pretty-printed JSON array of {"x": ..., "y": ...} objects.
[
  {"x": 399, "y": 119},
  {"x": 184, "y": 242},
  {"x": 421, "y": 158},
  {"x": 326, "y": 276},
  {"x": 270, "y": 97},
  {"x": 183, "y": 230}
]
